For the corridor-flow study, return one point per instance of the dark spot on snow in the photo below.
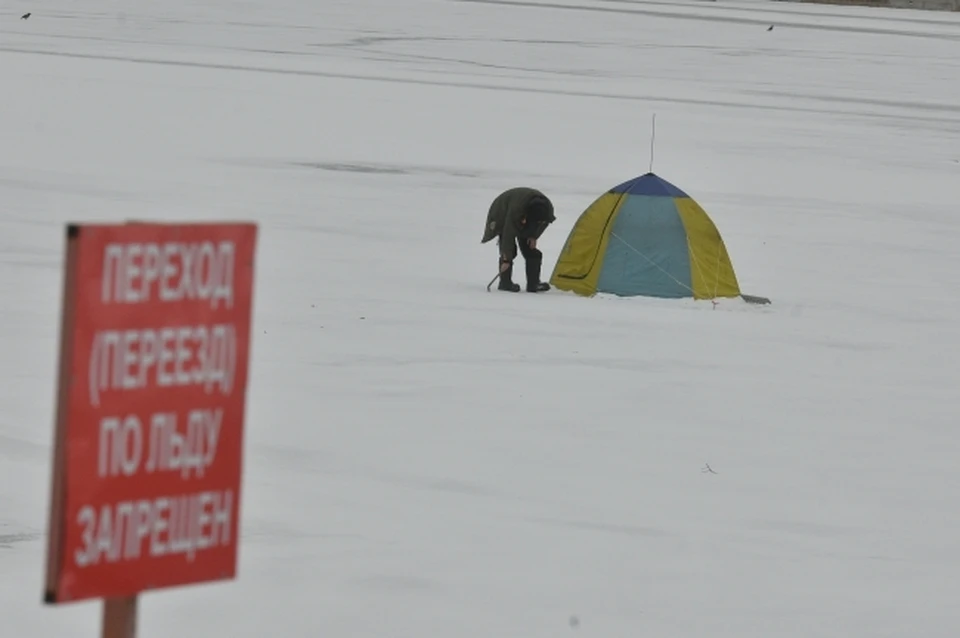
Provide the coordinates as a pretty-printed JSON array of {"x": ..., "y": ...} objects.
[
  {"x": 836, "y": 344},
  {"x": 385, "y": 169},
  {"x": 446, "y": 485},
  {"x": 8, "y": 540},
  {"x": 802, "y": 528},
  {"x": 395, "y": 583},
  {"x": 353, "y": 168},
  {"x": 610, "y": 528},
  {"x": 454, "y": 486}
]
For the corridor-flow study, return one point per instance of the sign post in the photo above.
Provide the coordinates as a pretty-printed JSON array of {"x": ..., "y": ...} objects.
[{"x": 148, "y": 444}]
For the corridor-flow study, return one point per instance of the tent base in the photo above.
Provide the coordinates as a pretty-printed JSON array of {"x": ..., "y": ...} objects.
[{"x": 755, "y": 299}]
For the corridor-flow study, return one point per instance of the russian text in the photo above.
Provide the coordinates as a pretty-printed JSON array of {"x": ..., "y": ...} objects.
[
  {"x": 164, "y": 526},
  {"x": 194, "y": 450},
  {"x": 121, "y": 448},
  {"x": 168, "y": 357},
  {"x": 138, "y": 272}
]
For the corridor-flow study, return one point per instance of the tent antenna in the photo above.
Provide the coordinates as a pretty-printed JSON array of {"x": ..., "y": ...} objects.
[{"x": 653, "y": 137}]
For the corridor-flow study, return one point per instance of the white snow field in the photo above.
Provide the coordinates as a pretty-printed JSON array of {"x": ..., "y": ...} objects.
[{"x": 426, "y": 459}]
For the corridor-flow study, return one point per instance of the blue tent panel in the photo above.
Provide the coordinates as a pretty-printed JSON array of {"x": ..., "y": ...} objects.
[
  {"x": 647, "y": 253},
  {"x": 649, "y": 184}
]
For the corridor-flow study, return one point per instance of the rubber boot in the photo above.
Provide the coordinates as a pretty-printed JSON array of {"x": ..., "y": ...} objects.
[
  {"x": 534, "y": 262},
  {"x": 506, "y": 281}
]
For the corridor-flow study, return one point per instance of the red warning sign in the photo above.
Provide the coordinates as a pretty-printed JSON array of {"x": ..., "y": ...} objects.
[{"x": 149, "y": 436}]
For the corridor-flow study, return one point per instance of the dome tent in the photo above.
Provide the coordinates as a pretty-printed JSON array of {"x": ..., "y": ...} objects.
[{"x": 647, "y": 237}]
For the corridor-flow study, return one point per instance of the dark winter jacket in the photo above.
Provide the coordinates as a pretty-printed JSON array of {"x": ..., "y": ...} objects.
[{"x": 518, "y": 213}]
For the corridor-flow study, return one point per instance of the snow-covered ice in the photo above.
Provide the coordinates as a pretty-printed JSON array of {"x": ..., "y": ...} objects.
[{"x": 427, "y": 459}]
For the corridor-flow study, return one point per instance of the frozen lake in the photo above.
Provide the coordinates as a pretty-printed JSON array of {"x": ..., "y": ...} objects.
[{"x": 427, "y": 459}]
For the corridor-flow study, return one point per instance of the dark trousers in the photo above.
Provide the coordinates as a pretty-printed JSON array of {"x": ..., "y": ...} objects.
[{"x": 533, "y": 260}]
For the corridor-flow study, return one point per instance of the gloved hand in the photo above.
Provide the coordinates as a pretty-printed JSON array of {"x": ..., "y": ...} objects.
[{"x": 505, "y": 264}]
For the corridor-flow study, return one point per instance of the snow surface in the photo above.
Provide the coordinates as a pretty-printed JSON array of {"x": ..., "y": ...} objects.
[{"x": 427, "y": 459}]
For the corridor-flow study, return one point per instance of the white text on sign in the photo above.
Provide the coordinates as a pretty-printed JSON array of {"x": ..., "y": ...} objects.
[
  {"x": 171, "y": 272},
  {"x": 172, "y": 525},
  {"x": 164, "y": 357},
  {"x": 122, "y": 443}
]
